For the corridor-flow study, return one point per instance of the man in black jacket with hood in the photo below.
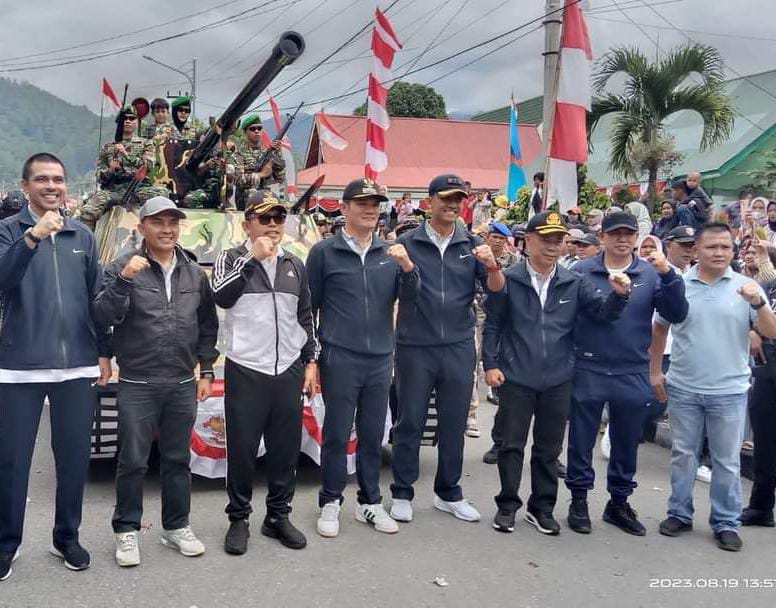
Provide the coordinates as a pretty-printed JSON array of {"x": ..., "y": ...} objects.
[{"x": 528, "y": 353}]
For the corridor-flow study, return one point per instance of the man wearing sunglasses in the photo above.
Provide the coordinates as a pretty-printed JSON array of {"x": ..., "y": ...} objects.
[
  {"x": 248, "y": 175},
  {"x": 270, "y": 362},
  {"x": 116, "y": 168}
]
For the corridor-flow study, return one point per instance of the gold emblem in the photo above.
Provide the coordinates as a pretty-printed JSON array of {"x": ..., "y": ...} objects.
[
  {"x": 553, "y": 219},
  {"x": 270, "y": 200}
]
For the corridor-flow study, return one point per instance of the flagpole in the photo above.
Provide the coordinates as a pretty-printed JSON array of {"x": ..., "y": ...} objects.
[
  {"x": 99, "y": 135},
  {"x": 553, "y": 103}
]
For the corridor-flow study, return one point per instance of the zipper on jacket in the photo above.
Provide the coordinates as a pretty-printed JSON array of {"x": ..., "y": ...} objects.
[
  {"x": 442, "y": 315},
  {"x": 59, "y": 303},
  {"x": 366, "y": 306},
  {"x": 277, "y": 330}
]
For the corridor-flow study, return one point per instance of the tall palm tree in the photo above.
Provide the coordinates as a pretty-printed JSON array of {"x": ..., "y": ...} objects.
[{"x": 653, "y": 91}]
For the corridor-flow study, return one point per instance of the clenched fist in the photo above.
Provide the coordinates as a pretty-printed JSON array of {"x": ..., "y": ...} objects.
[
  {"x": 494, "y": 377},
  {"x": 484, "y": 255},
  {"x": 659, "y": 262},
  {"x": 263, "y": 248},
  {"x": 400, "y": 255},
  {"x": 620, "y": 283},
  {"x": 751, "y": 293},
  {"x": 50, "y": 223},
  {"x": 136, "y": 265}
]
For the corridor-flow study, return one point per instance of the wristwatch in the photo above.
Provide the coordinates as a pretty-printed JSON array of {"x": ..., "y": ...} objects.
[
  {"x": 207, "y": 376},
  {"x": 758, "y": 306},
  {"x": 29, "y": 234}
]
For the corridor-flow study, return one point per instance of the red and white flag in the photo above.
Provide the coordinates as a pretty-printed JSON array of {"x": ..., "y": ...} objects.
[
  {"x": 108, "y": 91},
  {"x": 384, "y": 46},
  {"x": 328, "y": 134},
  {"x": 568, "y": 141},
  {"x": 285, "y": 151}
]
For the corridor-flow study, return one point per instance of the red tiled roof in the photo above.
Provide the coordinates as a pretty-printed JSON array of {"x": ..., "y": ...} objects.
[{"x": 419, "y": 149}]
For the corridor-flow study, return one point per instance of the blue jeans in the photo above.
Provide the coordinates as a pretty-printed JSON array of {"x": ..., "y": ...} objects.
[{"x": 723, "y": 417}]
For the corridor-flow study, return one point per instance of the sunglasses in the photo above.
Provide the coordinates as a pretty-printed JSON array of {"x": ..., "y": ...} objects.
[
  {"x": 255, "y": 129},
  {"x": 130, "y": 118},
  {"x": 185, "y": 110},
  {"x": 276, "y": 218}
]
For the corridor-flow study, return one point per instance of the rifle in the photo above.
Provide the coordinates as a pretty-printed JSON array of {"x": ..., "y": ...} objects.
[
  {"x": 279, "y": 137},
  {"x": 288, "y": 49},
  {"x": 119, "y": 136},
  {"x": 301, "y": 204},
  {"x": 140, "y": 175}
]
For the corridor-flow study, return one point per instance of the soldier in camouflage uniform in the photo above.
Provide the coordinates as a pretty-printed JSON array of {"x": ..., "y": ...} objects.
[
  {"x": 116, "y": 167},
  {"x": 247, "y": 174},
  {"x": 214, "y": 176},
  {"x": 181, "y": 111}
]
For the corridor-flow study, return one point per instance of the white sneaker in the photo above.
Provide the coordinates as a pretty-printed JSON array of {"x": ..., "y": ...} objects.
[
  {"x": 376, "y": 515},
  {"x": 328, "y": 522},
  {"x": 472, "y": 430},
  {"x": 401, "y": 509},
  {"x": 606, "y": 444},
  {"x": 127, "y": 550},
  {"x": 703, "y": 474},
  {"x": 462, "y": 509},
  {"x": 183, "y": 541}
]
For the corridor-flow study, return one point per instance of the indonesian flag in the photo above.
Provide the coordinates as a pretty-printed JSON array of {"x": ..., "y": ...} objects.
[
  {"x": 108, "y": 91},
  {"x": 285, "y": 151},
  {"x": 385, "y": 44},
  {"x": 568, "y": 143},
  {"x": 328, "y": 134}
]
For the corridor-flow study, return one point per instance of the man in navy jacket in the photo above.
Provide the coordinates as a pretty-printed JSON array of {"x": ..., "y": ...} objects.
[
  {"x": 435, "y": 337},
  {"x": 527, "y": 351},
  {"x": 355, "y": 278},
  {"x": 612, "y": 365},
  {"x": 49, "y": 275}
]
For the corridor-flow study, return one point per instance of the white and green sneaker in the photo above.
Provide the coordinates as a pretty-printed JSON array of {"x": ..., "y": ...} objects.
[{"x": 378, "y": 517}]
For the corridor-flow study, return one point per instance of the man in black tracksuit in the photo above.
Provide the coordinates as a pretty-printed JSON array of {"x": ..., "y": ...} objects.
[
  {"x": 270, "y": 361},
  {"x": 355, "y": 278},
  {"x": 160, "y": 305},
  {"x": 436, "y": 348},
  {"x": 528, "y": 353}
]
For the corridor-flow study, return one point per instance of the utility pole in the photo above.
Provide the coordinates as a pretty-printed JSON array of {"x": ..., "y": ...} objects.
[
  {"x": 192, "y": 78},
  {"x": 552, "y": 27}
]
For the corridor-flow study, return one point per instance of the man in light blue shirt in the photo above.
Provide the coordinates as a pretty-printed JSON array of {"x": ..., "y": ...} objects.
[{"x": 708, "y": 381}]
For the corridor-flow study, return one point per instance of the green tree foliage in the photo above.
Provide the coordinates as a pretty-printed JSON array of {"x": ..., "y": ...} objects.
[
  {"x": 764, "y": 177},
  {"x": 653, "y": 91},
  {"x": 32, "y": 121},
  {"x": 412, "y": 100}
]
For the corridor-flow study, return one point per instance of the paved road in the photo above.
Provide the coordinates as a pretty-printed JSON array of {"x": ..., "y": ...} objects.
[{"x": 362, "y": 568}]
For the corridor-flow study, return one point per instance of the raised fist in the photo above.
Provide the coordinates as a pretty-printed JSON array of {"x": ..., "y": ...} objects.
[
  {"x": 659, "y": 262},
  {"x": 620, "y": 283},
  {"x": 399, "y": 255},
  {"x": 263, "y": 248},
  {"x": 136, "y": 265},
  {"x": 50, "y": 223},
  {"x": 484, "y": 255}
]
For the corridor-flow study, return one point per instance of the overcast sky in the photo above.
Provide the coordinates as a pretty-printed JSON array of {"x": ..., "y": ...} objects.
[{"x": 228, "y": 55}]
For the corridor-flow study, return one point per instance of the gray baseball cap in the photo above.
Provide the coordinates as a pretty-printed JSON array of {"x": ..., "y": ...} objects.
[{"x": 157, "y": 205}]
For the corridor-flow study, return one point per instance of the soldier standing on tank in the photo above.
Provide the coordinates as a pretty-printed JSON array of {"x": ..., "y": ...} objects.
[
  {"x": 181, "y": 112},
  {"x": 116, "y": 168},
  {"x": 248, "y": 175}
]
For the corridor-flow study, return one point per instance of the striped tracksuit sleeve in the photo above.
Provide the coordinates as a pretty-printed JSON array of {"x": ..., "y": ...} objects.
[{"x": 230, "y": 275}]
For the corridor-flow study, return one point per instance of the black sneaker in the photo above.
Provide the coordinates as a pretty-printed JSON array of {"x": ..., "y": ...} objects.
[
  {"x": 6, "y": 559},
  {"x": 728, "y": 540},
  {"x": 561, "y": 470},
  {"x": 280, "y": 527},
  {"x": 236, "y": 541},
  {"x": 491, "y": 456},
  {"x": 757, "y": 517},
  {"x": 73, "y": 554},
  {"x": 579, "y": 517},
  {"x": 544, "y": 522},
  {"x": 673, "y": 526},
  {"x": 504, "y": 521},
  {"x": 624, "y": 517}
]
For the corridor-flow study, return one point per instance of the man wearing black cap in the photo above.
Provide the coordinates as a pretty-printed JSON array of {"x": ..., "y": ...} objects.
[
  {"x": 159, "y": 303},
  {"x": 435, "y": 336},
  {"x": 355, "y": 278},
  {"x": 270, "y": 362},
  {"x": 588, "y": 246},
  {"x": 527, "y": 352},
  {"x": 680, "y": 248},
  {"x": 612, "y": 364}
]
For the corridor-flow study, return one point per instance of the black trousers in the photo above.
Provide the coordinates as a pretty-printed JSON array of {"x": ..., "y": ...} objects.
[
  {"x": 354, "y": 385},
  {"x": 420, "y": 369},
  {"x": 72, "y": 406},
  {"x": 762, "y": 414},
  {"x": 518, "y": 405},
  {"x": 257, "y": 405},
  {"x": 145, "y": 412}
]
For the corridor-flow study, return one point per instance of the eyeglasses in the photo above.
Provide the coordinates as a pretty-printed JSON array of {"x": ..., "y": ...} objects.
[
  {"x": 277, "y": 218},
  {"x": 255, "y": 129}
]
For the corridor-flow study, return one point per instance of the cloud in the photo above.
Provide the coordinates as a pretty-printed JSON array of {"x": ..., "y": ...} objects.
[{"x": 227, "y": 56}]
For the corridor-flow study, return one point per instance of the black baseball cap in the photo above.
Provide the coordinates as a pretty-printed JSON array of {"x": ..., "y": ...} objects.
[
  {"x": 589, "y": 239},
  {"x": 682, "y": 234},
  {"x": 548, "y": 222},
  {"x": 363, "y": 188},
  {"x": 261, "y": 202},
  {"x": 447, "y": 185},
  {"x": 619, "y": 219}
]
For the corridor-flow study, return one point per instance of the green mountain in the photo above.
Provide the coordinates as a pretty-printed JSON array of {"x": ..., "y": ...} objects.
[{"x": 32, "y": 120}]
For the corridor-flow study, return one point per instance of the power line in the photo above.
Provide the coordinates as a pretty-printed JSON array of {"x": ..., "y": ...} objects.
[{"x": 701, "y": 32}]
